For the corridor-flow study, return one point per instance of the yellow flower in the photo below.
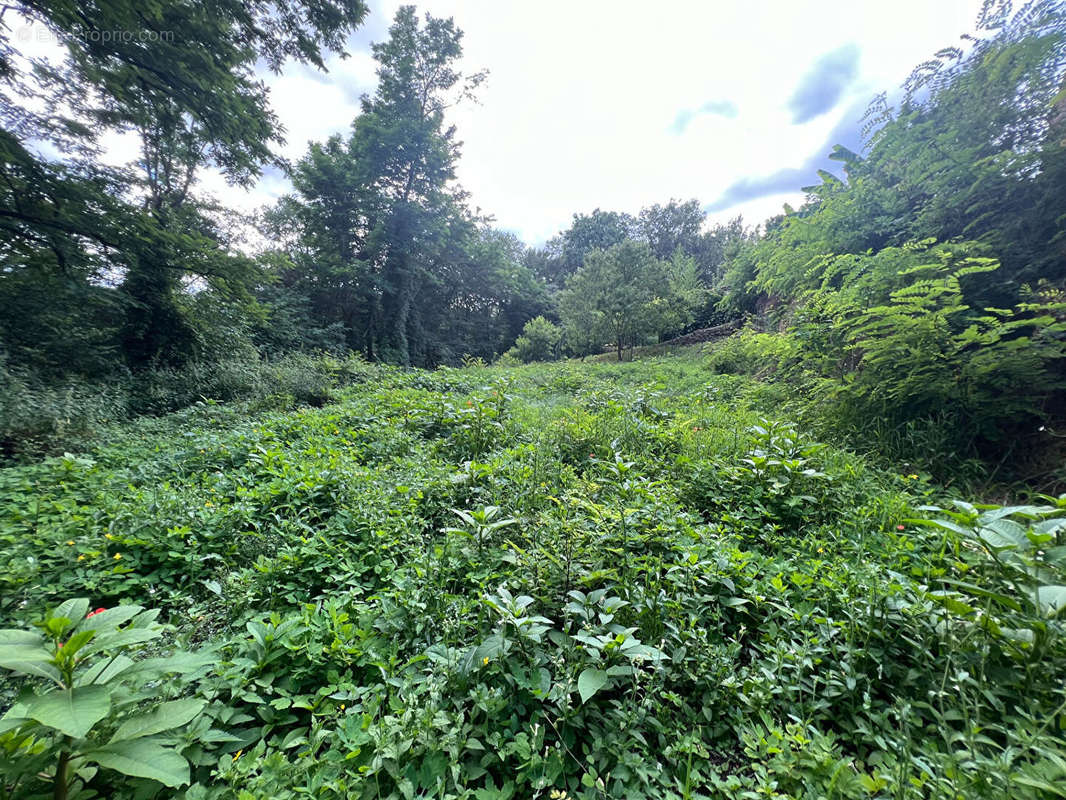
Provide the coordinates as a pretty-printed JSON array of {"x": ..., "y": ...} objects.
[
  {"x": 237, "y": 754},
  {"x": 118, "y": 556},
  {"x": 342, "y": 706},
  {"x": 208, "y": 504},
  {"x": 70, "y": 542},
  {"x": 821, "y": 549},
  {"x": 108, "y": 536},
  {"x": 913, "y": 477},
  {"x": 485, "y": 661},
  {"x": 81, "y": 558}
]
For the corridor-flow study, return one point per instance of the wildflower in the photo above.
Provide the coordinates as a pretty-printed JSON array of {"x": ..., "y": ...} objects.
[
  {"x": 901, "y": 527},
  {"x": 913, "y": 477},
  {"x": 109, "y": 536},
  {"x": 208, "y": 504},
  {"x": 118, "y": 556},
  {"x": 70, "y": 542},
  {"x": 485, "y": 661},
  {"x": 821, "y": 549},
  {"x": 94, "y": 613},
  {"x": 342, "y": 706},
  {"x": 81, "y": 558}
]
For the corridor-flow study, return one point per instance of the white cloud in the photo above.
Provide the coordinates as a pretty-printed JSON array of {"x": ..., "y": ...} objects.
[{"x": 579, "y": 108}]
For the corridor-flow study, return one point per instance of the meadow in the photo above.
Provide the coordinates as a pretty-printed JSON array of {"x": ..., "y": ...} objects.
[{"x": 567, "y": 580}]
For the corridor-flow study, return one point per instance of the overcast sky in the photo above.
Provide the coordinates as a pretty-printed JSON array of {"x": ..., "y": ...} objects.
[{"x": 617, "y": 104}]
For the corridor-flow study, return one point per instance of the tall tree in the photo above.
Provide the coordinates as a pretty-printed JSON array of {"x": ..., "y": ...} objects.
[
  {"x": 181, "y": 74},
  {"x": 616, "y": 296},
  {"x": 668, "y": 227},
  {"x": 379, "y": 230}
]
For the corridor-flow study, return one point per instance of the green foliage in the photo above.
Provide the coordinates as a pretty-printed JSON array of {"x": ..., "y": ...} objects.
[
  {"x": 624, "y": 295},
  {"x": 378, "y": 244},
  {"x": 632, "y": 580},
  {"x": 101, "y": 709},
  {"x": 539, "y": 341},
  {"x": 96, "y": 258},
  {"x": 922, "y": 289},
  {"x": 44, "y": 418},
  {"x": 897, "y": 340}
]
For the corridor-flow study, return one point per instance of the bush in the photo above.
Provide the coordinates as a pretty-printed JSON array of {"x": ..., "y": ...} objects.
[
  {"x": 539, "y": 341},
  {"x": 751, "y": 353},
  {"x": 37, "y": 419}
]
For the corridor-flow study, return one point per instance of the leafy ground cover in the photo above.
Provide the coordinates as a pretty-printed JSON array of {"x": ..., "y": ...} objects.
[{"x": 584, "y": 581}]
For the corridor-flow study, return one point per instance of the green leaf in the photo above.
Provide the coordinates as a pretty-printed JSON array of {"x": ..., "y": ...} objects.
[
  {"x": 24, "y": 652},
  {"x": 104, "y": 670},
  {"x": 73, "y": 610},
  {"x": 70, "y": 711},
  {"x": 10, "y": 636},
  {"x": 590, "y": 681},
  {"x": 110, "y": 618},
  {"x": 1050, "y": 599},
  {"x": 143, "y": 758},
  {"x": 179, "y": 662},
  {"x": 123, "y": 637},
  {"x": 168, "y": 715}
]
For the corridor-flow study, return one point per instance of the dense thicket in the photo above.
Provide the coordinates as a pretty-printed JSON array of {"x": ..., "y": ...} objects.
[
  {"x": 576, "y": 580},
  {"x": 910, "y": 296},
  {"x": 919, "y": 295}
]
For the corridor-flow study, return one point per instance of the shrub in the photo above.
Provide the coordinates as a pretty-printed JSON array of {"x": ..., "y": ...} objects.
[{"x": 539, "y": 341}]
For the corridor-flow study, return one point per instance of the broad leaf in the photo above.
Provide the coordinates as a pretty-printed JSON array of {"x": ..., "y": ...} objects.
[
  {"x": 24, "y": 652},
  {"x": 162, "y": 718},
  {"x": 70, "y": 711},
  {"x": 124, "y": 637},
  {"x": 590, "y": 681},
  {"x": 110, "y": 618},
  {"x": 74, "y": 610},
  {"x": 143, "y": 758},
  {"x": 10, "y": 636},
  {"x": 104, "y": 670},
  {"x": 1050, "y": 599}
]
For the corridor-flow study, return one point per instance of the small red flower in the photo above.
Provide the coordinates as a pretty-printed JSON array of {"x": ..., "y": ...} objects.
[
  {"x": 901, "y": 527},
  {"x": 94, "y": 613}
]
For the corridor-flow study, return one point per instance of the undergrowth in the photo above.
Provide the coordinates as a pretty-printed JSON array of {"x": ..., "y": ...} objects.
[{"x": 584, "y": 581}]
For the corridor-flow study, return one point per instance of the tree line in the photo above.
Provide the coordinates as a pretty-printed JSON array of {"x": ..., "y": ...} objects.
[
  {"x": 376, "y": 250},
  {"x": 923, "y": 282}
]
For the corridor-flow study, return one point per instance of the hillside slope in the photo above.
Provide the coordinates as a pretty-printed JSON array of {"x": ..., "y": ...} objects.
[{"x": 552, "y": 581}]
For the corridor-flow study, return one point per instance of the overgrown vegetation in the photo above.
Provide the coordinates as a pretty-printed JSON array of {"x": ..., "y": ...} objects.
[
  {"x": 911, "y": 307},
  {"x": 250, "y": 548},
  {"x": 599, "y": 580}
]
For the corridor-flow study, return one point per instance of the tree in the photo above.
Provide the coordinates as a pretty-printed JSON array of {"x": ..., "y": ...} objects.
[
  {"x": 183, "y": 76},
  {"x": 668, "y": 227},
  {"x": 539, "y": 341},
  {"x": 616, "y": 296},
  {"x": 376, "y": 218},
  {"x": 686, "y": 294},
  {"x": 562, "y": 256},
  {"x": 378, "y": 233}
]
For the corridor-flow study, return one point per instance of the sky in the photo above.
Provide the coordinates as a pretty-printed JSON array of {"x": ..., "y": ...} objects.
[{"x": 618, "y": 105}]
